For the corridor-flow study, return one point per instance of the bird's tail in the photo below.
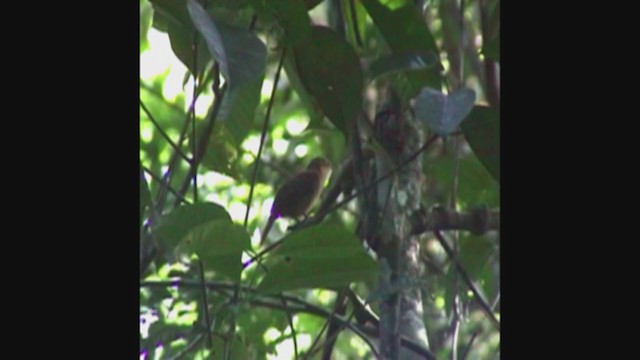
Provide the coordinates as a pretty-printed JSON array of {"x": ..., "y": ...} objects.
[{"x": 267, "y": 228}]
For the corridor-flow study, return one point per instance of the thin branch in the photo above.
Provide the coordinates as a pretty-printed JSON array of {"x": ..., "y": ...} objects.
[
  {"x": 188, "y": 348},
  {"x": 193, "y": 117},
  {"x": 205, "y": 304},
  {"x": 354, "y": 21},
  {"x": 320, "y": 215},
  {"x": 265, "y": 126},
  {"x": 304, "y": 307},
  {"x": 293, "y": 330},
  {"x": 477, "y": 220},
  {"x": 204, "y": 139},
  {"x": 164, "y": 134},
  {"x": 483, "y": 303},
  {"x": 159, "y": 180}
]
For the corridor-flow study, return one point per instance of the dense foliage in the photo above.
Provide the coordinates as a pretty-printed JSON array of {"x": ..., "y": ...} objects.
[{"x": 277, "y": 83}]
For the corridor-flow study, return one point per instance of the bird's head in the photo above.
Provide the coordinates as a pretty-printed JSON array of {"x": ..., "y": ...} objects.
[{"x": 322, "y": 166}]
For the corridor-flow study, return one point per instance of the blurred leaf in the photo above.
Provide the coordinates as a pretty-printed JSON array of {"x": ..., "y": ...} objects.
[
  {"x": 443, "y": 113},
  {"x": 322, "y": 62},
  {"x": 322, "y": 256},
  {"x": 179, "y": 222},
  {"x": 219, "y": 245},
  {"x": 404, "y": 30},
  {"x": 181, "y": 39},
  {"x": 409, "y": 61},
  {"x": 310, "y": 4},
  {"x": 482, "y": 131},
  {"x": 145, "y": 196}
]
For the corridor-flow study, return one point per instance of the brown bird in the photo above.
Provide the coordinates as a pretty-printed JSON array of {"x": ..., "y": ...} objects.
[{"x": 296, "y": 196}]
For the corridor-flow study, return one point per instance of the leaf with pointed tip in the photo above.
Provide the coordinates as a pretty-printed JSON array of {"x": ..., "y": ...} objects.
[
  {"x": 176, "y": 224},
  {"x": 404, "y": 30},
  {"x": 242, "y": 58},
  {"x": 322, "y": 256},
  {"x": 219, "y": 245},
  {"x": 239, "y": 52},
  {"x": 443, "y": 113},
  {"x": 291, "y": 16},
  {"x": 322, "y": 61},
  {"x": 482, "y": 131}
]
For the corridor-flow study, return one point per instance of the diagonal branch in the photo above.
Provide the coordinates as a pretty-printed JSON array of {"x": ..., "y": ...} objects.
[{"x": 265, "y": 126}]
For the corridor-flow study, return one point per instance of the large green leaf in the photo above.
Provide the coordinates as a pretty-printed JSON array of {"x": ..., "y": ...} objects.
[
  {"x": 219, "y": 245},
  {"x": 179, "y": 222},
  {"x": 322, "y": 256},
  {"x": 242, "y": 58},
  {"x": 405, "y": 31},
  {"x": 322, "y": 62},
  {"x": 314, "y": 109},
  {"x": 482, "y": 131},
  {"x": 171, "y": 16}
]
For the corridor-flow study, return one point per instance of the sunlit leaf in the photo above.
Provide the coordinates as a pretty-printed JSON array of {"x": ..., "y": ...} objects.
[
  {"x": 219, "y": 245},
  {"x": 322, "y": 256},
  {"x": 179, "y": 222}
]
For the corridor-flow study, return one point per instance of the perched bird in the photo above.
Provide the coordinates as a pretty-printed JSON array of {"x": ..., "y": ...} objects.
[{"x": 296, "y": 196}]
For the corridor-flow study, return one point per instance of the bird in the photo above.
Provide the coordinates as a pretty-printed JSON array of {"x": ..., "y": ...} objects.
[{"x": 297, "y": 195}]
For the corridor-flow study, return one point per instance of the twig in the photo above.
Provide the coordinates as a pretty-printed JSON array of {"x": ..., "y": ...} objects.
[
  {"x": 483, "y": 303},
  {"x": 320, "y": 215},
  {"x": 171, "y": 190},
  {"x": 164, "y": 134},
  {"x": 303, "y": 307},
  {"x": 188, "y": 348},
  {"x": 205, "y": 306},
  {"x": 265, "y": 126},
  {"x": 354, "y": 21},
  {"x": 293, "y": 331}
]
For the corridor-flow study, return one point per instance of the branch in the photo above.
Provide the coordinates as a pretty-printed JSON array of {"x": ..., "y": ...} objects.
[
  {"x": 265, "y": 126},
  {"x": 477, "y": 221},
  {"x": 275, "y": 302},
  {"x": 481, "y": 300},
  {"x": 164, "y": 134}
]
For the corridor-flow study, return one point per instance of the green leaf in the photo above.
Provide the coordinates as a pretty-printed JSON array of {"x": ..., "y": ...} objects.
[
  {"x": 240, "y": 54},
  {"x": 238, "y": 109},
  {"x": 242, "y": 58},
  {"x": 474, "y": 253},
  {"x": 181, "y": 39},
  {"x": 482, "y": 131},
  {"x": 145, "y": 196},
  {"x": 409, "y": 61},
  {"x": 475, "y": 183},
  {"x": 313, "y": 108},
  {"x": 322, "y": 256},
  {"x": 322, "y": 62},
  {"x": 219, "y": 245},
  {"x": 405, "y": 31},
  {"x": 178, "y": 223},
  {"x": 290, "y": 15},
  {"x": 222, "y": 151}
]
